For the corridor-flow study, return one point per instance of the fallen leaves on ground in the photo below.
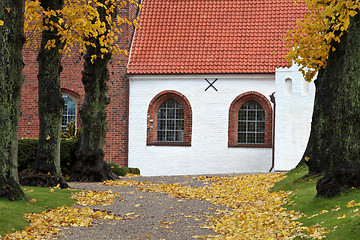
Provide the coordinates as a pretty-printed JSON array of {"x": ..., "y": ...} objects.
[
  {"x": 352, "y": 204},
  {"x": 125, "y": 183},
  {"x": 87, "y": 198},
  {"x": 131, "y": 175},
  {"x": 46, "y": 224},
  {"x": 253, "y": 212}
]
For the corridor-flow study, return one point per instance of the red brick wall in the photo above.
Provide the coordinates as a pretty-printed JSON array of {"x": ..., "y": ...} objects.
[{"x": 116, "y": 138}]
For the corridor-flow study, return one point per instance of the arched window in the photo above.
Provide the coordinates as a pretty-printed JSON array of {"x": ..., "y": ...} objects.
[
  {"x": 69, "y": 113},
  {"x": 169, "y": 120},
  {"x": 250, "y": 121},
  {"x": 170, "y": 127}
]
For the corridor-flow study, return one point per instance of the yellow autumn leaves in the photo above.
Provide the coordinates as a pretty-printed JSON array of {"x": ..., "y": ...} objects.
[
  {"x": 86, "y": 198},
  {"x": 78, "y": 23},
  {"x": 324, "y": 23},
  {"x": 253, "y": 212},
  {"x": 352, "y": 204},
  {"x": 48, "y": 223}
]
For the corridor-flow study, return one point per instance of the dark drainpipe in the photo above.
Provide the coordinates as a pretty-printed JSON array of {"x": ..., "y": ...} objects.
[{"x": 272, "y": 99}]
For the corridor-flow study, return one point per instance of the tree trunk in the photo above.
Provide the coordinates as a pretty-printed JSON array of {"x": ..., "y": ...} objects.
[
  {"x": 322, "y": 125},
  {"x": 11, "y": 80},
  {"x": 90, "y": 164},
  {"x": 46, "y": 170},
  {"x": 318, "y": 150},
  {"x": 334, "y": 144}
]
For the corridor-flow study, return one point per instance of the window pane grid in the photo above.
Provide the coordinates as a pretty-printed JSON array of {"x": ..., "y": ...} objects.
[
  {"x": 69, "y": 112},
  {"x": 251, "y": 123},
  {"x": 170, "y": 122}
]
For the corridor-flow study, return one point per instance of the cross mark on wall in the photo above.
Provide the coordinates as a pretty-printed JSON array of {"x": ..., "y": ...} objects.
[{"x": 211, "y": 84}]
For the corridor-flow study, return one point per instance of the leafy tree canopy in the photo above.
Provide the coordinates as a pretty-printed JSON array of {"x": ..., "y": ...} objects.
[
  {"x": 325, "y": 23},
  {"x": 79, "y": 24}
]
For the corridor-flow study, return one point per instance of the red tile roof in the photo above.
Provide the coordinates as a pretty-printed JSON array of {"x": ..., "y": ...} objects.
[{"x": 212, "y": 36}]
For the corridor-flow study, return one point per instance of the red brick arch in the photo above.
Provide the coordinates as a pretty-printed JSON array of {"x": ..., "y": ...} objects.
[
  {"x": 70, "y": 92},
  {"x": 234, "y": 114},
  {"x": 153, "y": 113}
]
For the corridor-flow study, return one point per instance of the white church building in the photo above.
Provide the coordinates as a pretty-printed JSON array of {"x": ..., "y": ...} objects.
[{"x": 201, "y": 76}]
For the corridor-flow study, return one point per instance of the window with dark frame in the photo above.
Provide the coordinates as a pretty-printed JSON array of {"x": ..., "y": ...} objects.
[
  {"x": 69, "y": 113},
  {"x": 251, "y": 123},
  {"x": 170, "y": 122}
]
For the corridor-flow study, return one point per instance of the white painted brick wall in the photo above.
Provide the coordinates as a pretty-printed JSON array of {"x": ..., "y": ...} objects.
[
  {"x": 293, "y": 117},
  {"x": 209, "y": 152}
]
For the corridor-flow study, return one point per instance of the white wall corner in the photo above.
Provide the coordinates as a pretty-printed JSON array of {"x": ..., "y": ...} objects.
[{"x": 293, "y": 115}]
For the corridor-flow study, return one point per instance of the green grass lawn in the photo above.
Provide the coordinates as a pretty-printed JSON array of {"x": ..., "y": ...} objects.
[
  {"x": 305, "y": 200},
  {"x": 12, "y": 213}
]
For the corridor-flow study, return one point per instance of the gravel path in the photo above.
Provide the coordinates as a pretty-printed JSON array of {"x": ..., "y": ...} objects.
[{"x": 156, "y": 215}]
